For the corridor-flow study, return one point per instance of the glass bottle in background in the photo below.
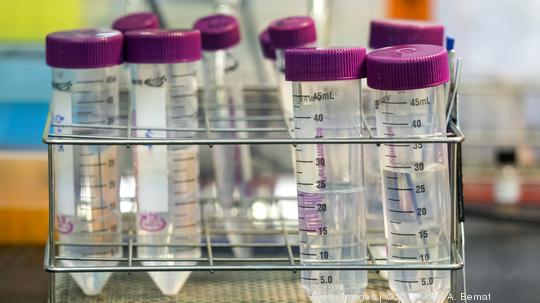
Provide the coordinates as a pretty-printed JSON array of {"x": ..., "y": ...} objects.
[
  {"x": 229, "y": 7},
  {"x": 408, "y": 86},
  {"x": 223, "y": 100},
  {"x": 164, "y": 91},
  {"x": 384, "y": 33},
  {"x": 507, "y": 185},
  {"x": 327, "y": 104},
  {"x": 86, "y": 66}
]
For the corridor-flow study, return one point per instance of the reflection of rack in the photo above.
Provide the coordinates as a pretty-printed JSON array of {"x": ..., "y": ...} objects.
[
  {"x": 205, "y": 287},
  {"x": 265, "y": 125}
]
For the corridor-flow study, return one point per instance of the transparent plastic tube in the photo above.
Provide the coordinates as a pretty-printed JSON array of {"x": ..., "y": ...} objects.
[
  {"x": 224, "y": 103},
  {"x": 165, "y": 95},
  {"x": 285, "y": 97},
  {"x": 416, "y": 191},
  {"x": 269, "y": 53},
  {"x": 330, "y": 188},
  {"x": 284, "y": 86},
  {"x": 126, "y": 23},
  {"x": 383, "y": 33},
  {"x": 372, "y": 180},
  {"x": 322, "y": 13},
  {"x": 125, "y": 153},
  {"x": 124, "y": 98},
  {"x": 87, "y": 177}
]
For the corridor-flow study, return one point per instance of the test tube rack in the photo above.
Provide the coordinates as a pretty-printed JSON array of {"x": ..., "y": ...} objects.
[{"x": 267, "y": 125}]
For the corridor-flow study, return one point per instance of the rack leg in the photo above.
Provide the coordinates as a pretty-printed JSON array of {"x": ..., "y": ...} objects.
[
  {"x": 51, "y": 242},
  {"x": 52, "y": 287},
  {"x": 464, "y": 269},
  {"x": 52, "y": 245}
]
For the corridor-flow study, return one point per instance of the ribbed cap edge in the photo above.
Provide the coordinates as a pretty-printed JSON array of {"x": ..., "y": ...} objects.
[
  {"x": 218, "y": 31},
  {"x": 291, "y": 32},
  {"x": 406, "y": 67},
  {"x": 84, "y": 48},
  {"x": 390, "y": 32},
  {"x": 324, "y": 64},
  {"x": 163, "y": 46}
]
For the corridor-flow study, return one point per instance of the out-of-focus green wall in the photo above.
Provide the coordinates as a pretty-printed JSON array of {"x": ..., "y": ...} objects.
[{"x": 31, "y": 20}]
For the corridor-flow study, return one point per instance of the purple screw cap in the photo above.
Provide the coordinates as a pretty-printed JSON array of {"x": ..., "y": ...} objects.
[
  {"x": 218, "y": 31},
  {"x": 84, "y": 48},
  {"x": 268, "y": 50},
  {"x": 405, "y": 67},
  {"x": 292, "y": 32},
  {"x": 160, "y": 46},
  {"x": 136, "y": 21},
  {"x": 324, "y": 64},
  {"x": 385, "y": 33}
]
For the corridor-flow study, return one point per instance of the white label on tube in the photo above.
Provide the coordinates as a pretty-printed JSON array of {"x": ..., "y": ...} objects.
[
  {"x": 152, "y": 173},
  {"x": 63, "y": 161}
]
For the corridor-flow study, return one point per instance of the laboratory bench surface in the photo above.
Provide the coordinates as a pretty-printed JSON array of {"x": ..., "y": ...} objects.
[{"x": 502, "y": 260}]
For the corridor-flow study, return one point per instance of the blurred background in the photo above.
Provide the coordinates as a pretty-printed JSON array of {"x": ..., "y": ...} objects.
[{"x": 499, "y": 41}]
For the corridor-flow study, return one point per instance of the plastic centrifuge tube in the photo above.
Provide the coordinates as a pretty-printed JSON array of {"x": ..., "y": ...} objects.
[
  {"x": 327, "y": 102},
  {"x": 383, "y": 33},
  {"x": 224, "y": 106},
  {"x": 164, "y": 91},
  {"x": 132, "y": 22},
  {"x": 408, "y": 83},
  {"x": 285, "y": 33},
  {"x": 290, "y": 32},
  {"x": 269, "y": 52},
  {"x": 85, "y": 92},
  {"x": 391, "y": 32},
  {"x": 135, "y": 21}
]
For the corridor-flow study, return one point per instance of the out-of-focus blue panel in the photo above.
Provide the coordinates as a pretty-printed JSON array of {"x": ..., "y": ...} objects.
[
  {"x": 24, "y": 78},
  {"x": 21, "y": 124},
  {"x": 25, "y": 88}
]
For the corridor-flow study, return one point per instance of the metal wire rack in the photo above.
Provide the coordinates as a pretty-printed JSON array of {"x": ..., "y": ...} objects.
[
  {"x": 274, "y": 236},
  {"x": 276, "y": 246},
  {"x": 266, "y": 124}
]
